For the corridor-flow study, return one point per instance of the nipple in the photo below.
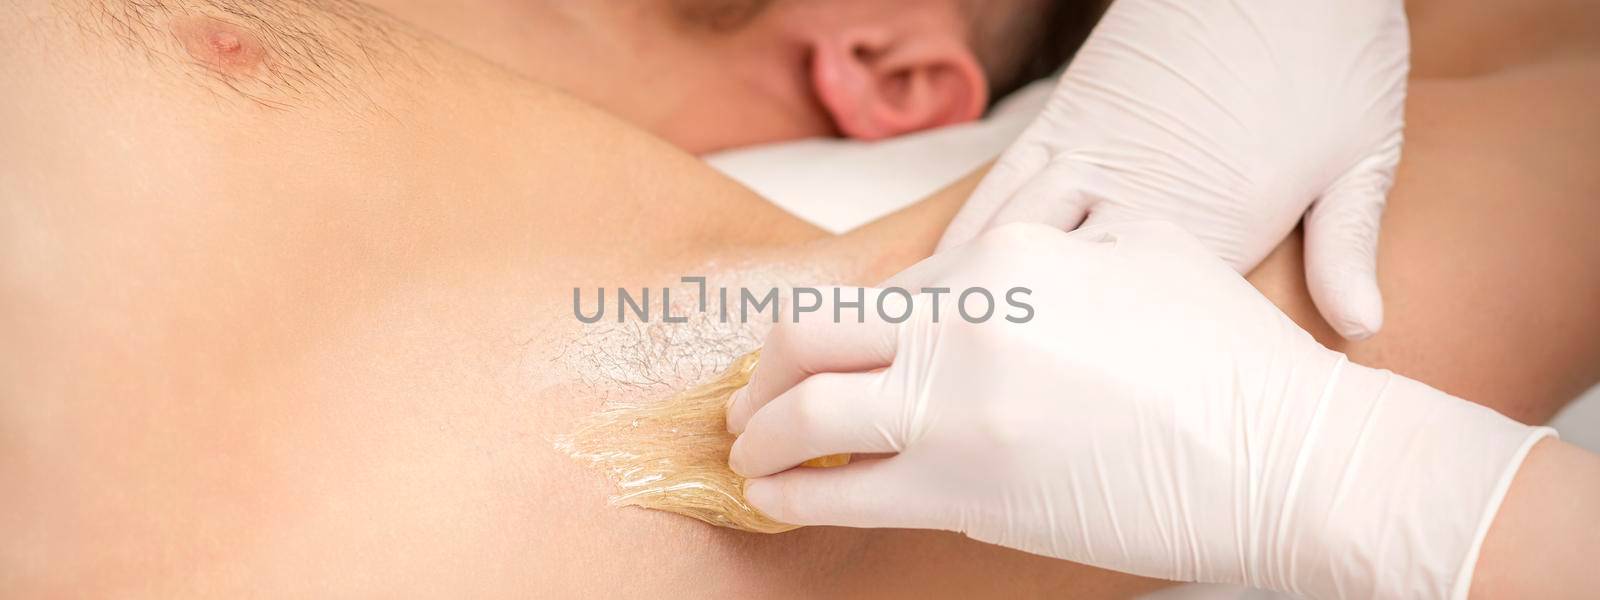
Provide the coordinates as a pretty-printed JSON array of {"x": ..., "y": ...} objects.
[
  {"x": 224, "y": 43},
  {"x": 220, "y": 46}
]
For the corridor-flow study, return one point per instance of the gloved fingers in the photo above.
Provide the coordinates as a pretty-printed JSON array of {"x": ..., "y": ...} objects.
[
  {"x": 933, "y": 275},
  {"x": 1016, "y": 167},
  {"x": 1109, "y": 225},
  {"x": 865, "y": 493},
  {"x": 1107, "y": 213},
  {"x": 926, "y": 272},
  {"x": 1220, "y": 244},
  {"x": 827, "y": 414},
  {"x": 1053, "y": 198},
  {"x": 838, "y": 336},
  {"x": 1342, "y": 255}
]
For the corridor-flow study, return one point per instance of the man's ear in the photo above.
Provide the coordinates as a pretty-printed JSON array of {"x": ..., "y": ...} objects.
[{"x": 877, "y": 86}]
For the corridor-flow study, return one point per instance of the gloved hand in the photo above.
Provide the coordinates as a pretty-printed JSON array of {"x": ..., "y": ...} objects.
[
  {"x": 1228, "y": 117},
  {"x": 1155, "y": 416}
]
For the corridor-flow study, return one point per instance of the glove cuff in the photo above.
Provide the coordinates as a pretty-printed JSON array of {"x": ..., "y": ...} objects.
[{"x": 1393, "y": 491}]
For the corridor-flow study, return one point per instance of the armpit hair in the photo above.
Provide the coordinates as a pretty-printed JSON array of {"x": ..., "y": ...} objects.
[{"x": 315, "y": 50}]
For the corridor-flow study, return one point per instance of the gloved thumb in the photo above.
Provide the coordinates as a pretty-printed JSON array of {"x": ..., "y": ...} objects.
[
  {"x": 1057, "y": 197},
  {"x": 1342, "y": 255},
  {"x": 864, "y": 493}
]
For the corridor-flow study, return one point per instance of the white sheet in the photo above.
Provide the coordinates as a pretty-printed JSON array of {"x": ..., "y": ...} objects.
[{"x": 841, "y": 184}]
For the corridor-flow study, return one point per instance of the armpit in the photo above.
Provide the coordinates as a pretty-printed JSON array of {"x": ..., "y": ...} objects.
[{"x": 278, "y": 54}]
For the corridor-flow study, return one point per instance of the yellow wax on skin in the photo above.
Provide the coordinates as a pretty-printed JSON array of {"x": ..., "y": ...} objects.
[
  {"x": 672, "y": 455},
  {"x": 836, "y": 460}
]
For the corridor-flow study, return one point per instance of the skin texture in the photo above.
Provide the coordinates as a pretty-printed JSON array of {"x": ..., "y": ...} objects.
[
  {"x": 314, "y": 339},
  {"x": 343, "y": 378},
  {"x": 1490, "y": 188},
  {"x": 225, "y": 49}
]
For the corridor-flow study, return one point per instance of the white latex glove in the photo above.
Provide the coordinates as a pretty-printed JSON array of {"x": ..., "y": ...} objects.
[
  {"x": 1157, "y": 416},
  {"x": 1228, "y": 117}
]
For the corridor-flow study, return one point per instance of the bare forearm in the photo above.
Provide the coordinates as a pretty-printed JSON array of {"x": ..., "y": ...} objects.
[{"x": 1544, "y": 540}]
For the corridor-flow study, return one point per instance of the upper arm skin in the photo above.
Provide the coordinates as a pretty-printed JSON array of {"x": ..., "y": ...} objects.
[
  {"x": 1489, "y": 261},
  {"x": 319, "y": 346}
]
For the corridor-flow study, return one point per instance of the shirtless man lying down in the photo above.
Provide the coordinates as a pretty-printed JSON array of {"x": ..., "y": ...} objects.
[{"x": 287, "y": 287}]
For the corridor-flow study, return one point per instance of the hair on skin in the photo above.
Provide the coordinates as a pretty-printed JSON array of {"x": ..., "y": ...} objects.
[
  {"x": 1020, "y": 45},
  {"x": 277, "y": 54},
  {"x": 718, "y": 15}
]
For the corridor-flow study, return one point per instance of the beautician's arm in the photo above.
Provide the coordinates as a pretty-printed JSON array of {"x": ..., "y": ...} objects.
[
  {"x": 1154, "y": 416},
  {"x": 1545, "y": 541}
]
